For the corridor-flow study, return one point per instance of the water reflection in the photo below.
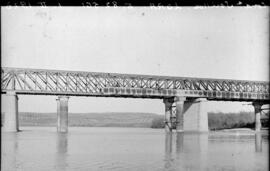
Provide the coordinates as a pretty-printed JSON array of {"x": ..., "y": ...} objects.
[
  {"x": 179, "y": 142},
  {"x": 258, "y": 142},
  {"x": 168, "y": 150},
  {"x": 10, "y": 152},
  {"x": 189, "y": 148},
  {"x": 133, "y": 149},
  {"x": 168, "y": 143},
  {"x": 61, "y": 151}
]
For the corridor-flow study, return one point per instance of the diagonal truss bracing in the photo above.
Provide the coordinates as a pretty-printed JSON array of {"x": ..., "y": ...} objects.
[{"x": 55, "y": 82}]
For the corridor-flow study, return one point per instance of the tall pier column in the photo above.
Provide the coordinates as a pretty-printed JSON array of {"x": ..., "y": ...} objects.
[
  {"x": 257, "y": 108},
  {"x": 168, "y": 113},
  {"x": 179, "y": 104},
  {"x": 9, "y": 106},
  {"x": 62, "y": 114}
]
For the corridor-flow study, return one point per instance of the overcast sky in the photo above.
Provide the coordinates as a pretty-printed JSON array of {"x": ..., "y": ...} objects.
[{"x": 231, "y": 43}]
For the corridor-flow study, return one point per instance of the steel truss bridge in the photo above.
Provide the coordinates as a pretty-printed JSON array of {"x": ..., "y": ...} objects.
[{"x": 77, "y": 83}]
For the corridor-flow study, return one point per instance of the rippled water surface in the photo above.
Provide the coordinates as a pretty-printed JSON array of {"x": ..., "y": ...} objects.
[{"x": 132, "y": 149}]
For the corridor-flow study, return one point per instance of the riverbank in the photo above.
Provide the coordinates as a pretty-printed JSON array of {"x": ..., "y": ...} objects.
[
  {"x": 221, "y": 121},
  {"x": 216, "y": 121},
  {"x": 142, "y": 120},
  {"x": 243, "y": 130}
]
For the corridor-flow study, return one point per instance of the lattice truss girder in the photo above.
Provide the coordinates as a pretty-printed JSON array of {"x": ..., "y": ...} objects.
[{"x": 90, "y": 82}]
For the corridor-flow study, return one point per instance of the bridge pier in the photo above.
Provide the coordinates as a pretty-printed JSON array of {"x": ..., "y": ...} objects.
[
  {"x": 257, "y": 108},
  {"x": 191, "y": 115},
  {"x": 180, "y": 105},
  {"x": 9, "y": 106},
  {"x": 196, "y": 115},
  {"x": 168, "y": 114},
  {"x": 62, "y": 114}
]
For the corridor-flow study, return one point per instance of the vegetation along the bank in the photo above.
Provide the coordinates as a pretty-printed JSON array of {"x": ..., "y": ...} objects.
[{"x": 218, "y": 121}]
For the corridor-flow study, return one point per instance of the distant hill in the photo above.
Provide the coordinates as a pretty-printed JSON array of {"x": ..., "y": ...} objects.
[{"x": 90, "y": 119}]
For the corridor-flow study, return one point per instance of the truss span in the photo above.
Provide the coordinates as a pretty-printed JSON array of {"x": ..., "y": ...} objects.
[{"x": 76, "y": 83}]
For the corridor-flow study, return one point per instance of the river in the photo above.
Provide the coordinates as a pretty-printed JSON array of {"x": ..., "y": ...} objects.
[{"x": 132, "y": 149}]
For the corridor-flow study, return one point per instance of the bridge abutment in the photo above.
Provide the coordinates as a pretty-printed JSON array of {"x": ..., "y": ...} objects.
[
  {"x": 257, "y": 109},
  {"x": 9, "y": 105},
  {"x": 62, "y": 114}
]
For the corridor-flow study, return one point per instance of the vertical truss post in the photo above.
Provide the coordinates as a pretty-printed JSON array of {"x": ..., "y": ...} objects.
[{"x": 13, "y": 82}]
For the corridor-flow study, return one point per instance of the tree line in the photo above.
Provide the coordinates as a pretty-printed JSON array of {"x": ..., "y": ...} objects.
[{"x": 220, "y": 120}]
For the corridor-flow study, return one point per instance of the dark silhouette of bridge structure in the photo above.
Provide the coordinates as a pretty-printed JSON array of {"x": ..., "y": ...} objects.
[{"x": 185, "y": 98}]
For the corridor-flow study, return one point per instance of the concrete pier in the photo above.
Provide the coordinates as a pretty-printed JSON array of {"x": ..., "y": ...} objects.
[
  {"x": 257, "y": 108},
  {"x": 196, "y": 115},
  {"x": 179, "y": 103},
  {"x": 9, "y": 107},
  {"x": 168, "y": 113},
  {"x": 62, "y": 114},
  {"x": 191, "y": 114}
]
